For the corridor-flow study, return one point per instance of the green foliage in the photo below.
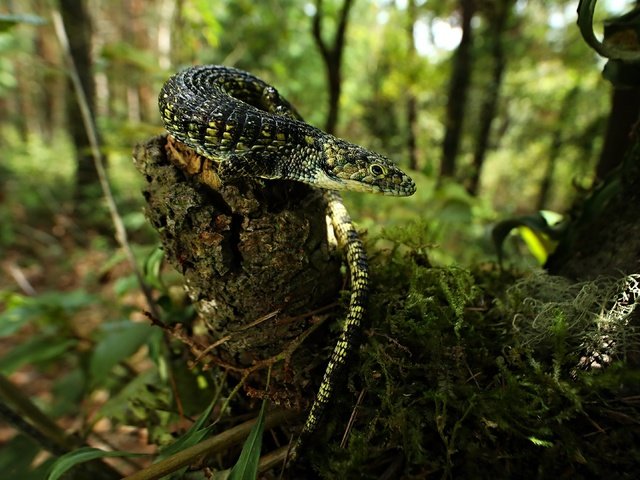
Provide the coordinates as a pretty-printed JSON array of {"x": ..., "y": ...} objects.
[
  {"x": 131, "y": 57},
  {"x": 38, "y": 174},
  {"x": 9, "y": 21},
  {"x": 39, "y": 350},
  {"x": 135, "y": 400},
  {"x": 540, "y": 236},
  {"x": 81, "y": 455},
  {"x": 17, "y": 456},
  {"x": 47, "y": 309},
  {"x": 194, "y": 435},
  {"x": 454, "y": 226},
  {"x": 50, "y": 312},
  {"x": 117, "y": 342},
  {"x": 53, "y": 344},
  {"x": 247, "y": 466},
  {"x": 468, "y": 380}
]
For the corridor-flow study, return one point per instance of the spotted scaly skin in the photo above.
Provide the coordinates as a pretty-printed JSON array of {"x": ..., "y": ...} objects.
[
  {"x": 236, "y": 119},
  {"x": 350, "y": 242}
]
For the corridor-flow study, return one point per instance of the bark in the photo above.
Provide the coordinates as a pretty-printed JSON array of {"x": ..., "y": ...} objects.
[
  {"x": 332, "y": 57},
  {"x": 256, "y": 262},
  {"x": 178, "y": 53},
  {"x": 412, "y": 103},
  {"x": 625, "y": 99},
  {"x": 25, "y": 105},
  {"x": 458, "y": 89},
  {"x": 489, "y": 105},
  {"x": 549, "y": 172},
  {"x": 625, "y": 107},
  {"x": 77, "y": 22},
  {"x": 557, "y": 143},
  {"x": 52, "y": 82},
  {"x": 142, "y": 99},
  {"x": 412, "y": 128},
  {"x": 604, "y": 237}
]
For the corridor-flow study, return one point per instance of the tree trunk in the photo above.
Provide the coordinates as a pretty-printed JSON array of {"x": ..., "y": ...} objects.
[
  {"x": 489, "y": 106},
  {"x": 332, "y": 56},
  {"x": 412, "y": 103},
  {"x": 412, "y": 128},
  {"x": 53, "y": 84},
  {"x": 603, "y": 239},
  {"x": 458, "y": 88},
  {"x": 625, "y": 107},
  {"x": 625, "y": 99},
  {"x": 557, "y": 142},
  {"x": 26, "y": 118},
  {"x": 257, "y": 262},
  {"x": 77, "y": 23}
]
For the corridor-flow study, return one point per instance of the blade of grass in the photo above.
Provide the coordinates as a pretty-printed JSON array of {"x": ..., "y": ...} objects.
[
  {"x": 247, "y": 466},
  {"x": 85, "y": 454},
  {"x": 210, "y": 446}
]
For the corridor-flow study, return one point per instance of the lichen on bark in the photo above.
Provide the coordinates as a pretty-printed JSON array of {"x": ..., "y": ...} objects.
[{"x": 248, "y": 249}]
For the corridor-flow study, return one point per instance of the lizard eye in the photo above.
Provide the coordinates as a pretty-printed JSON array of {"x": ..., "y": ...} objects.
[{"x": 377, "y": 170}]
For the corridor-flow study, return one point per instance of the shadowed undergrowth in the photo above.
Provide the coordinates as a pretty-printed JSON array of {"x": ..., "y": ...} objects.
[{"x": 466, "y": 377}]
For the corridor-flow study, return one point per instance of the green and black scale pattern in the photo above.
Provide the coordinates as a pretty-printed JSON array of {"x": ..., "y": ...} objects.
[{"x": 236, "y": 119}]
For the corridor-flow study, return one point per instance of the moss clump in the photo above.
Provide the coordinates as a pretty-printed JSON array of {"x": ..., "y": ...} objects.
[{"x": 465, "y": 379}]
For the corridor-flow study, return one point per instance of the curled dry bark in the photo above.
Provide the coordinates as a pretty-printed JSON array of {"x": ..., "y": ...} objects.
[{"x": 247, "y": 249}]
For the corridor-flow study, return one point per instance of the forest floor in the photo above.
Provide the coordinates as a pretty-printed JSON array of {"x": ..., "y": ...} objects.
[{"x": 65, "y": 278}]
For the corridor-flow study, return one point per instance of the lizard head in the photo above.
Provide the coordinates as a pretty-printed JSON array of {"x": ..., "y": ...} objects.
[{"x": 351, "y": 167}]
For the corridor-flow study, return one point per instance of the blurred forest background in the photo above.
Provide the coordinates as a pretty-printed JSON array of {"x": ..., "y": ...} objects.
[
  {"x": 503, "y": 97},
  {"x": 496, "y": 108}
]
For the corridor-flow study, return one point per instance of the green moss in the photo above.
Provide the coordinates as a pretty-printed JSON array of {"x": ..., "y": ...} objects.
[{"x": 467, "y": 378}]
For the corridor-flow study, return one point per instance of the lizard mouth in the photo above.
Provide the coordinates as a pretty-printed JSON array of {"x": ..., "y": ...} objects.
[
  {"x": 393, "y": 187},
  {"x": 329, "y": 181},
  {"x": 397, "y": 187}
]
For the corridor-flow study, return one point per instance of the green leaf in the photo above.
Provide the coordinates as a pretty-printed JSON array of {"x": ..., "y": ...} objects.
[
  {"x": 70, "y": 301},
  {"x": 67, "y": 392},
  {"x": 247, "y": 466},
  {"x": 41, "y": 348},
  {"x": 191, "y": 437},
  {"x": 540, "y": 443},
  {"x": 8, "y": 21},
  {"x": 117, "y": 341},
  {"x": 539, "y": 244},
  {"x": 47, "y": 307},
  {"x": 126, "y": 284},
  {"x": 535, "y": 230},
  {"x": 124, "y": 53},
  {"x": 134, "y": 220},
  {"x": 85, "y": 454},
  {"x": 17, "y": 454},
  {"x": 120, "y": 402},
  {"x": 152, "y": 268},
  {"x": 12, "y": 319}
]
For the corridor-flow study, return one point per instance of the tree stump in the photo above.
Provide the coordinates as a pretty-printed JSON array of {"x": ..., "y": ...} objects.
[{"x": 255, "y": 254}]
